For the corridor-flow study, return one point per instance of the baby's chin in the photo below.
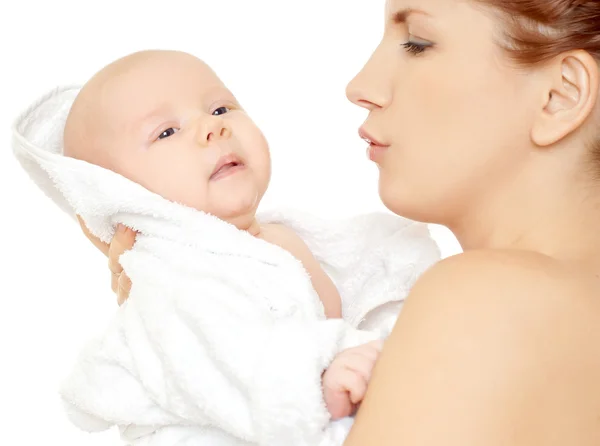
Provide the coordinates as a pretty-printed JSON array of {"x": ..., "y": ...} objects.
[
  {"x": 234, "y": 199},
  {"x": 239, "y": 211},
  {"x": 241, "y": 220}
]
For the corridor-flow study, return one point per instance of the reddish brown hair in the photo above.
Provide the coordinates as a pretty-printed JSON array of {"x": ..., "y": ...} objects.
[{"x": 539, "y": 30}]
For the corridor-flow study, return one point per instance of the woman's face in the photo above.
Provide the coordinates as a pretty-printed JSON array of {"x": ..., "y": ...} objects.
[{"x": 451, "y": 114}]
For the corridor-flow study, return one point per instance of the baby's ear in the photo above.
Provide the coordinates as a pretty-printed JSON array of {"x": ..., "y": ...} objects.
[{"x": 569, "y": 99}]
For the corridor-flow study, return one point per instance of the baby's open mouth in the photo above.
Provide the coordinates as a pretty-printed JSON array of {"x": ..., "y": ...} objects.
[{"x": 227, "y": 165}]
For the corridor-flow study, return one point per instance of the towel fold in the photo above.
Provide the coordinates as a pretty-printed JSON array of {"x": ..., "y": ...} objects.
[{"x": 223, "y": 340}]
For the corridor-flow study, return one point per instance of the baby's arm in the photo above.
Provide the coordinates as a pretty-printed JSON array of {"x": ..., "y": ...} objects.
[{"x": 290, "y": 241}]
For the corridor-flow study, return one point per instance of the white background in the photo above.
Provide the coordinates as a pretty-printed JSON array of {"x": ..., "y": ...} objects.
[{"x": 288, "y": 63}]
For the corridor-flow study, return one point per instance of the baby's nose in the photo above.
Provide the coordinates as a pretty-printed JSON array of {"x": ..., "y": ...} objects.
[
  {"x": 222, "y": 133},
  {"x": 214, "y": 129}
]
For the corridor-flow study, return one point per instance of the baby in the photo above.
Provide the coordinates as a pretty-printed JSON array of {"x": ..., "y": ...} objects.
[{"x": 164, "y": 120}]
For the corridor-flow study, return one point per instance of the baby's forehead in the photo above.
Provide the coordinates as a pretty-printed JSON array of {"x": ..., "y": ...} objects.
[
  {"x": 149, "y": 82},
  {"x": 139, "y": 89}
]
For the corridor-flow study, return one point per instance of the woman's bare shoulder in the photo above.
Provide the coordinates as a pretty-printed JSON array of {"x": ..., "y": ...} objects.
[
  {"x": 483, "y": 338},
  {"x": 516, "y": 302},
  {"x": 503, "y": 276}
]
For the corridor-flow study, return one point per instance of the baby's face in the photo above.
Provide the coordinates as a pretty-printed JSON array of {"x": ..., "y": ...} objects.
[{"x": 168, "y": 123}]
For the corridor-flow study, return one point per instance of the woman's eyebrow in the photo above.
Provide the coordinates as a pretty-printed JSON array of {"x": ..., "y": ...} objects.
[{"x": 402, "y": 15}]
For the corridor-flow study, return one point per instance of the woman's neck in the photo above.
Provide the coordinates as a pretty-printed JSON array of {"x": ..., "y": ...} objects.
[{"x": 544, "y": 210}]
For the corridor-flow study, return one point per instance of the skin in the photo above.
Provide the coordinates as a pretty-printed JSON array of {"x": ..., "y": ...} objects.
[
  {"x": 499, "y": 345},
  {"x": 346, "y": 380},
  {"x": 164, "y": 119}
]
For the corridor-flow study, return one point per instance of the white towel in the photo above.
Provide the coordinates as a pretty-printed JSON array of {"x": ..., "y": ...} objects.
[{"x": 223, "y": 340}]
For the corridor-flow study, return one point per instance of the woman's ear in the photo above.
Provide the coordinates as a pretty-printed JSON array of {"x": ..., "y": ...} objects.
[{"x": 570, "y": 98}]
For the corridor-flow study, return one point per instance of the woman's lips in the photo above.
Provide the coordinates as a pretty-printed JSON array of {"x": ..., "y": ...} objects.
[
  {"x": 376, "y": 149},
  {"x": 375, "y": 153}
]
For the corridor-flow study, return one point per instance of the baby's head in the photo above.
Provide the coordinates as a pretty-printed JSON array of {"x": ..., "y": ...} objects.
[{"x": 164, "y": 120}]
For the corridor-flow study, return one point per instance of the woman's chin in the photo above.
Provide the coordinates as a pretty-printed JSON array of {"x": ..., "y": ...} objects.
[{"x": 399, "y": 199}]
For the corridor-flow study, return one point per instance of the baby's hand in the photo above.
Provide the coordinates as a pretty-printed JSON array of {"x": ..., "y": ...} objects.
[
  {"x": 122, "y": 241},
  {"x": 345, "y": 381}
]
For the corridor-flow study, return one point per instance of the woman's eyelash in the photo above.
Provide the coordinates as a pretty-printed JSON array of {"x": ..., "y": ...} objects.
[{"x": 415, "y": 48}]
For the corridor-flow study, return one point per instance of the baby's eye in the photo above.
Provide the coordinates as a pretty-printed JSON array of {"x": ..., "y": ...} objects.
[
  {"x": 168, "y": 132},
  {"x": 220, "y": 111}
]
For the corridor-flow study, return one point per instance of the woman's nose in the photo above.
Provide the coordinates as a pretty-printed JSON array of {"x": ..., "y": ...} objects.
[{"x": 369, "y": 88}]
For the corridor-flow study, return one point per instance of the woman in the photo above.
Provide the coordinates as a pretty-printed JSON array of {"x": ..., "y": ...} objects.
[{"x": 483, "y": 117}]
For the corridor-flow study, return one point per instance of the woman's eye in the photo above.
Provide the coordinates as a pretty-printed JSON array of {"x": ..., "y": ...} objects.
[
  {"x": 416, "y": 47},
  {"x": 220, "y": 111},
  {"x": 168, "y": 132}
]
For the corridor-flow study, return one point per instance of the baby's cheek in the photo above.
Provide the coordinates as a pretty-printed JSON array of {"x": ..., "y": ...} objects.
[
  {"x": 193, "y": 196},
  {"x": 260, "y": 160},
  {"x": 182, "y": 187}
]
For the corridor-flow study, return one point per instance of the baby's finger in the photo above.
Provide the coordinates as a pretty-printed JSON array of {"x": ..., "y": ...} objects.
[
  {"x": 125, "y": 237},
  {"x": 338, "y": 404},
  {"x": 369, "y": 350},
  {"x": 114, "y": 282},
  {"x": 370, "y": 353},
  {"x": 376, "y": 345},
  {"x": 360, "y": 364},
  {"x": 95, "y": 240},
  {"x": 122, "y": 241},
  {"x": 124, "y": 287},
  {"x": 355, "y": 385}
]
